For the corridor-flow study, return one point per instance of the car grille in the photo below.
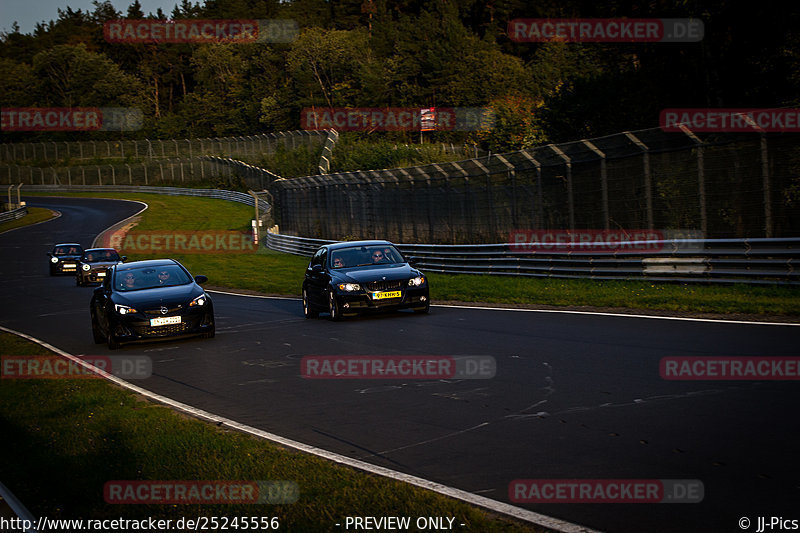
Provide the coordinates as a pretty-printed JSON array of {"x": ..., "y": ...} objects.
[
  {"x": 385, "y": 285},
  {"x": 163, "y": 331},
  {"x": 157, "y": 311}
]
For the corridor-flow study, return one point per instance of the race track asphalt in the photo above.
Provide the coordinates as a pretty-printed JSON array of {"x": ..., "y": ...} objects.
[{"x": 575, "y": 396}]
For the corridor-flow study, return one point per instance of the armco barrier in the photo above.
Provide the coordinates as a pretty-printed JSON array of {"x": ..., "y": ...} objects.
[
  {"x": 13, "y": 214},
  {"x": 756, "y": 261},
  {"x": 221, "y": 194}
]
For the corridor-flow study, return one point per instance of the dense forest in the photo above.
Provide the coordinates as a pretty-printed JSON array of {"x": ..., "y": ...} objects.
[{"x": 375, "y": 53}]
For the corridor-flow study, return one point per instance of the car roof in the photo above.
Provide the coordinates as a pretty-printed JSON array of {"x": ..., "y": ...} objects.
[
  {"x": 100, "y": 250},
  {"x": 348, "y": 244},
  {"x": 147, "y": 263},
  {"x": 68, "y": 244}
]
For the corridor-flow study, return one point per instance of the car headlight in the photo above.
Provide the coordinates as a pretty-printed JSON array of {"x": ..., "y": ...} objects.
[
  {"x": 54, "y": 259},
  {"x": 416, "y": 282},
  {"x": 349, "y": 287},
  {"x": 200, "y": 300},
  {"x": 86, "y": 268},
  {"x": 124, "y": 309}
]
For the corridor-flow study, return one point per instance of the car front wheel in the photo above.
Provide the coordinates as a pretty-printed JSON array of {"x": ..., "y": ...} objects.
[
  {"x": 307, "y": 311},
  {"x": 333, "y": 307},
  {"x": 96, "y": 333}
]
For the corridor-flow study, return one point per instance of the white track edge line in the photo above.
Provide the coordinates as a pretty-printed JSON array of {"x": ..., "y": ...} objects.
[
  {"x": 473, "y": 499},
  {"x": 518, "y": 309}
]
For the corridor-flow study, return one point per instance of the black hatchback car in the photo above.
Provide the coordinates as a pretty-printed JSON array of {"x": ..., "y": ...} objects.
[
  {"x": 93, "y": 264},
  {"x": 347, "y": 278},
  {"x": 64, "y": 258},
  {"x": 149, "y": 300}
]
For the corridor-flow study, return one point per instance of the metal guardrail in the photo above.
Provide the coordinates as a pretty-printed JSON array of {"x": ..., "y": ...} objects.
[
  {"x": 221, "y": 194},
  {"x": 14, "y": 214},
  {"x": 755, "y": 261}
]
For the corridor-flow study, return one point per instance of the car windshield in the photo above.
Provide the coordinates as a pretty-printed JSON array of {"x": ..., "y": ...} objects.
[
  {"x": 135, "y": 279},
  {"x": 375, "y": 254},
  {"x": 100, "y": 256},
  {"x": 67, "y": 250}
]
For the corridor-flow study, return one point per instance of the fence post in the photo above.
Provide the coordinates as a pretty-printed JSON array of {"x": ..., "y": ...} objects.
[
  {"x": 701, "y": 178},
  {"x": 570, "y": 198},
  {"x": 113, "y": 175},
  {"x": 648, "y": 187},
  {"x": 489, "y": 198},
  {"x": 130, "y": 174},
  {"x": 603, "y": 180}
]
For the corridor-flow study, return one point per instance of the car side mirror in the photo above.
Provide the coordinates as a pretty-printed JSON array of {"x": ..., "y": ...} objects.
[
  {"x": 200, "y": 279},
  {"x": 413, "y": 260},
  {"x": 317, "y": 269},
  {"x": 124, "y": 258}
]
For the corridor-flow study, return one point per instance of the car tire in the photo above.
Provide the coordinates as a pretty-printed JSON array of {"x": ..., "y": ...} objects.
[
  {"x": 113, "y": 343},
  {"x": 96, "y": 333},
  {"x": 209, "y": 334},
  {"x": 423, "y": 310},
  {"x": 333, "y": 307},
  {"x": 307, "y": 311}
]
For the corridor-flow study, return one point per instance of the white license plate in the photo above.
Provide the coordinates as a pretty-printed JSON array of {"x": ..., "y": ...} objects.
[
  {"x": 101, "y": 274},
  {"x": 69, "y": 265},
  {"x": 383, "y": 295},
  {"x": 163, "y": 321}
]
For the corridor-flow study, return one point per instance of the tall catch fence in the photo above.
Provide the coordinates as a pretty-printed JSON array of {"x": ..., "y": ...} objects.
[
  {"x": 716, "y": 186},
  {"x": 246, "y": 147},
  {"x": 155, "y": 172}
]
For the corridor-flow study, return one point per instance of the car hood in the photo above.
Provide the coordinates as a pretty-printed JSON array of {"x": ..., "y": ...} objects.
[
  {"x": 68, "y": 257},
  {"x": 149, "y": 298},
  {"x": 97, "y": 265},
  {"x": 372, "y": 273}
]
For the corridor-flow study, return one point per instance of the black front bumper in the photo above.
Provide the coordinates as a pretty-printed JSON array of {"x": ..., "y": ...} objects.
[
  {"x": 362, "y": 301},
  {"x": 139, "y": 328}
]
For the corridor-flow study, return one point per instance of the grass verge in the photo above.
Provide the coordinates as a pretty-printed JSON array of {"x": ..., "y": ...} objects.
[
  {"x": 69, "y": 437},
  {"x": 282, "y": 274},
  {"x": 35, "y": 214}
]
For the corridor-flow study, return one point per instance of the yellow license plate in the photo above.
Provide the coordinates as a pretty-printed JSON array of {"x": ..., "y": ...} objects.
[
  {"x": 382, "y": 295},
  {"x": 165, "y": 320}
]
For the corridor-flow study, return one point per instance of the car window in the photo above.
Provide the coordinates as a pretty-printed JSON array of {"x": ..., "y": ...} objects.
[{"x": 135, "y": 279}]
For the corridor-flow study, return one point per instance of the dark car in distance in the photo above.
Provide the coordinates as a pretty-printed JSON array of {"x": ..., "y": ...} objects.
[
  {"x": 64, "y": 258},
  {"x": 347, "y": 278},
  {"x": 93, "y": 264},
  {"x": 150, "y": 300}
]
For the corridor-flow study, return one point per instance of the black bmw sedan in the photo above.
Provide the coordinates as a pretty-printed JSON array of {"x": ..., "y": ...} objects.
[
  {"x": 148, "y": 300},
  {"x": 346, "y": 278}
]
